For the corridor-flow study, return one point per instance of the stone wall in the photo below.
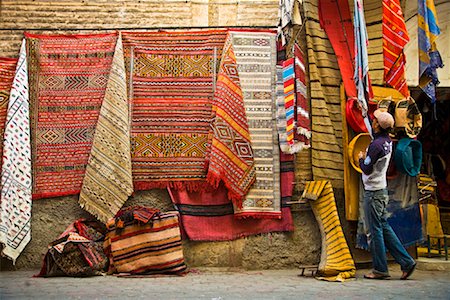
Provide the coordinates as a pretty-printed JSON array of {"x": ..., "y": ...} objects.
[{"x": 52, "y": 216}]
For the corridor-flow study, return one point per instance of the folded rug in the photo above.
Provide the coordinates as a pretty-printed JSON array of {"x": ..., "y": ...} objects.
[
  {"x": 336, "y": 262},
  {"x": 15, "y": 203},
  {"x": 68, "y": 78}
]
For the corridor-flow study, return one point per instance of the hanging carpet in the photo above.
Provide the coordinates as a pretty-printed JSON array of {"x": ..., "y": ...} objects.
[
  {"x": 187, "y": 128},
  {"x": 255, "y": 53},
  {"x": 15, "y": 203},
  {"x": 68, "y": 78}
]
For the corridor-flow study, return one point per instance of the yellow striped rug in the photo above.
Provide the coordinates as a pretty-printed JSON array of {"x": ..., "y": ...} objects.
[{"x": 336, "y": 262}]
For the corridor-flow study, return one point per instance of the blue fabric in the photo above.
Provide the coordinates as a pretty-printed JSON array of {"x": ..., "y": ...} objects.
[
  {"x": 408, "y": 156},
  {"x": 381, "y": 235},
  {"x": 429, "y": 57},
  {"x": 361, "y": 74}
]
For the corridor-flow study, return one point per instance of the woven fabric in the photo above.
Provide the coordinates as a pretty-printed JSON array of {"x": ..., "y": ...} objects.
[
  {"x": 303, "y": 124},
  {"x": 429, "y": 57},
  {"x": 172, "y": 86},
  {"x": 289, "y": 98},
  {"x": 7, "y": 71},
  {"x": 15, "y": 204},
  {"x": 326, "y": 118},
  {"x": 361, "y": 75},
  {"x": 336, "y": 262},
  {"x": 209, "y": 216},
  {"x": 232, "y": 160},
  {"x": 68, "y": 77},
  {"x": 145, "y": 248},
  {"x": 256, "y": 60},
  {"x": 336, "y": 20},
  {"x": 395, "y": 37},
  {"x": 78, "y": 251},
  {"x": 107, "y": 183}
]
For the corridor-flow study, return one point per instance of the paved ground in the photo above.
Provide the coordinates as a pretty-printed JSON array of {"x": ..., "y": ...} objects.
[{"x": 220, "y": 284}]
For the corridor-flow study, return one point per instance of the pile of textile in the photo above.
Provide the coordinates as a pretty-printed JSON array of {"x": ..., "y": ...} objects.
[{"x": 77, "y": 252}]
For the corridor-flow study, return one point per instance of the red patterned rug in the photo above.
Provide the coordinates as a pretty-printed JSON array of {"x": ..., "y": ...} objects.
[
  {"x": 68, "y": 77},
  {"x": 172, "y": 75},
  {"x": 7, "y": 71},
  {"x": 186, "y": 129}
]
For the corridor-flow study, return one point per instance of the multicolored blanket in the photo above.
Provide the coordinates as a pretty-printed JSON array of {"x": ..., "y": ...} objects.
[
  {"x": 142, "y": 240},
  {"x": 15, "y": 203},
  {"x": 107, "y": 183},
  {"x": 256, "y": 60},
  {"x": 395, "y": 37},
  {"x": 68, "y": 78}
]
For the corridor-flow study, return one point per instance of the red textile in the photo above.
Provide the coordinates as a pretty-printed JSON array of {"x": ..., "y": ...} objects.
[
  {"x": 336, "y": 20},
  {"x": 208, "y": 216},
  {"x": 68, "y": 76},
  {"x": 7, "y": 71},
  {"x": 395, "y": 37}
]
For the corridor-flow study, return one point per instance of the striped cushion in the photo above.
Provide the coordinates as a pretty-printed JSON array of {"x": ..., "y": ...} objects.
[{"x": 146, "y": 248}]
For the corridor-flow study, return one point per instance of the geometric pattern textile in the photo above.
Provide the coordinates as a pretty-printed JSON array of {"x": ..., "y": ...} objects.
[
  {"x": 15, "y": 203},
  {"x": 68, "y": 77},
  {"x": 289, "y": 98},
  {"x": 395, "y": 37},
  {"x": 172, "y": 78},
  {"x": 256, "y": 65},
  {"x": 108, "y": 182},
  {"x": 336, "y": 262},
  {"x": 231, "y": 158},
  {"x": 7, "y": 71}
]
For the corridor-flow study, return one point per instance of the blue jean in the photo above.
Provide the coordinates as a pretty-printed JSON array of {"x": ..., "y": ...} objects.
[{"x": 382, "y": 236}]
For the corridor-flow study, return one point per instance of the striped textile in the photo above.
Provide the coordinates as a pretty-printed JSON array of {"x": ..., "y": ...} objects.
[
  {"x": 232, "y": 159},
  {"x": 7, "y": 71},
  {"x": 15, "y": 203},
  {"x": 68, "y": 77},
  {"x": 336, "y": 262},
  {"x": 326, "y": 118},
  {"x": 209, "y": 216},
  {"x": 336, "y": 20},
  {"x": 429, "y": 57},
  {"x": 303, "y": 127},
  {"x": 152, "y": 247},
  {"x": 395, "y": 37},
  {"x": 172, "y": 86},
  {"x": 255, "y": 53},
  {"x": 361, "y": 75},
  {"x": 107, "y": 183},
  {"x": 289, "y": 98}
]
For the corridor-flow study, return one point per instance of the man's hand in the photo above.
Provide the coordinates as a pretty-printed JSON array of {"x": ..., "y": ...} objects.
[{"x": 361, "y": 155}]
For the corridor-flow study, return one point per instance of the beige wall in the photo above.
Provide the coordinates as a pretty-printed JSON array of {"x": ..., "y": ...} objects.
[{"x": 88, "y": 15}]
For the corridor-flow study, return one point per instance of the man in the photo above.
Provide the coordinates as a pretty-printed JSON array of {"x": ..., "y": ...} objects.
[{"x": 374, "y": 165}]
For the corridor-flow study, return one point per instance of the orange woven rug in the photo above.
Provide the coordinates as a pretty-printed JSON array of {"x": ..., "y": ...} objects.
[{"x": 68, "y": 77}]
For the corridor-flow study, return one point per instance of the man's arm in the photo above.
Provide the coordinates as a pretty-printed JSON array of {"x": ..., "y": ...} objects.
[{"x": 366, "y": 163}]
